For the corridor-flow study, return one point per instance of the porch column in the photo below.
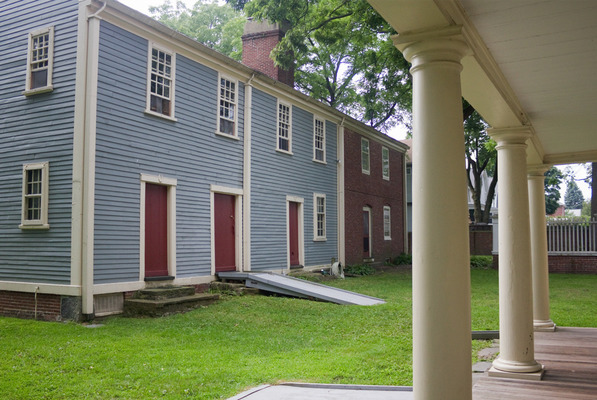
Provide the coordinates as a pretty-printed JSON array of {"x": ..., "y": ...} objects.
[
  {"x": 536, "y": 179},
  {"x": 441, "y": 275},
  {"x": 517, "y": 351}
]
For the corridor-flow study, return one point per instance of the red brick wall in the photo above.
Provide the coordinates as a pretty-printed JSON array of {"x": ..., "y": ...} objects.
[
  {"x": 372, "y": 190},
  {"x": 569, "y": 264},
  {"x": 256, "y": 54},
  {"x": 480, "y": 240},
  {"x": 22, "y": 305},
  {"x": 573, "y": 264}
]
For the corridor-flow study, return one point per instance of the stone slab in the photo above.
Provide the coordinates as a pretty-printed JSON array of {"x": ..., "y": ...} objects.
[{"x": 297, "y": 391}]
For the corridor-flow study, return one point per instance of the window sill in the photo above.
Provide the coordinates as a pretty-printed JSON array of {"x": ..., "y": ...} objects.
[
  {"x": 285, "y": 152},
  {"x": 155, "y": 114},
  {"x": 322, "y": 239},
  {"x": 39, "y": 90},
  {"x": 233, "y": 137},
  {"x": 386, "y": 178},
  {"x": 319, "y": 161},
  {"x": 366, "y": 172},
  {"x": 387, "y": 238},
  {"x": 34, "y": 226}
]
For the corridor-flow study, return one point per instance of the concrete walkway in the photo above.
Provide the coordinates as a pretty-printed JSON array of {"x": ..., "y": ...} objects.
[{"x": 313, "y": 391}]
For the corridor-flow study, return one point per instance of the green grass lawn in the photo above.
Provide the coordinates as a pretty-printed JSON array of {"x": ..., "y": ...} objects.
[{"x": 241, "y": 342}]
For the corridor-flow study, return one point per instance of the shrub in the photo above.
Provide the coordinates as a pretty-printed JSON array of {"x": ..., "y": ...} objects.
[
  {"x": 403, "y": 259},
  {"x": 481, "y": 262},
  {"x": 360, "y": 269}
]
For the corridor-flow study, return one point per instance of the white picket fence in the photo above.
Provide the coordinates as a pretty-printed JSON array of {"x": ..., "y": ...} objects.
[{"x": 571, "y": 235}]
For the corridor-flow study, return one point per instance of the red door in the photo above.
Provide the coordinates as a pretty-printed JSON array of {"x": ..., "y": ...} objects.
[
  {"x": 156, "y": 230},
  {"x": 366, "y": 234},
  {"x": 293, "y": 233},
  {"x": 224, "y": 225}
]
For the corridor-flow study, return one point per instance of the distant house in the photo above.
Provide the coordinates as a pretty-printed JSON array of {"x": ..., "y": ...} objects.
[{"x": 132, "y": 155}]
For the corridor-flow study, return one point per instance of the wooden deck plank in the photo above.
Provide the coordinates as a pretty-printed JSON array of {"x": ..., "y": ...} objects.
[{"x": 570, "y": 359}]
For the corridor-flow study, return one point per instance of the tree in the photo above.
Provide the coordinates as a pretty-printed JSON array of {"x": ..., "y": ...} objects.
[
  {"x": 573, "y": 197},
  {"x": 553, "y": 180},
  {"x": 360, "y": 73},
  {"x": 481, "y": 157},
  {"x": 219, "y": 27}
]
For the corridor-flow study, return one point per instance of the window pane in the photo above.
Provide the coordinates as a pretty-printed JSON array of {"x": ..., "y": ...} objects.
[{"x": 226, "y": 126}]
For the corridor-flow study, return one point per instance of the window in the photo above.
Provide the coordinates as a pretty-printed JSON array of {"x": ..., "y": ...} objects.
[
  {"x": 284, "y": 128},
  {"x": 385, "y": 163},
  {"x": 319, "y": 216},
  {"x": 35, "y": 196},
  {"x": 227, "y": 115},
  {"x": 40, "y": 56},
  {"x": 365, "y": 156},
  {"x": 160, "y": 98},
  {"x": 318, "y": 140},
  {"x": 387, "y": 226}
]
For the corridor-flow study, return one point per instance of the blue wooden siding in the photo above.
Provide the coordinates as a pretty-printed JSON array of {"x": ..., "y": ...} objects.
[
  {"x": 129, "y": 143},
  {"x": 274, "y": 175},
  {"x": 34, "y": 129}
]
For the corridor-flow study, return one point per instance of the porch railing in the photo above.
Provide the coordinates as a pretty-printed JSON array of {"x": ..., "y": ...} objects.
[{"x": 571, "y": 235}]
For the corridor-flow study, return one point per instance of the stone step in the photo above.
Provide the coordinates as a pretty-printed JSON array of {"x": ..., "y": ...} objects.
[
  {"x": 231, "y": 287},
  {"x": 165, "y": 292},
  {"x": 159, "y": 307}
]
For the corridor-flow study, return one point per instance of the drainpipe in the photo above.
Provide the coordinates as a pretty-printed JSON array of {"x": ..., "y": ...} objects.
[
  {"x": 340, "y": 194},
  {"x": 247, "y": 176}
]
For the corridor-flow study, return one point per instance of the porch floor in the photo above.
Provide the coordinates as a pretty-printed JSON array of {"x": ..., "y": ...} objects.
[{"x": 569, "y": 356}]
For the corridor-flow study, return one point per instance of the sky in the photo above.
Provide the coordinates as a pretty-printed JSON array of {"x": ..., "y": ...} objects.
[{"x": 397, "y": 133}]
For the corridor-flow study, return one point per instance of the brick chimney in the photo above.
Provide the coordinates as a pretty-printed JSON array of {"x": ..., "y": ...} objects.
[{"x": 259, "y": 39}]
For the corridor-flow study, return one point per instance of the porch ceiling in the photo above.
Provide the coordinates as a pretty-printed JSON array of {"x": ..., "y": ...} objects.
[{"x": 533, "y": 64}]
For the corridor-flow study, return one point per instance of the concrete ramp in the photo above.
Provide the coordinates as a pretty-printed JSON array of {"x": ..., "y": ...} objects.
[{"x": 289, "y": 286}]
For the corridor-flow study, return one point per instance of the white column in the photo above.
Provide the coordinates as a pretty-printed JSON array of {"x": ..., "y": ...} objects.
[
  {"x": 441, "y": 276},
  {"x": 517, "y": 350},
  {"x": 536, "y": 179}
]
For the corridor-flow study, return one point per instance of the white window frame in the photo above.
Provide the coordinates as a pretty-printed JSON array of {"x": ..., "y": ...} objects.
[
  {"x": 319, "y": 133},
  {"x": 48, "y": 87},
  {"x": 233, "y": 103},
  {"x": 385, "y": 163},
  {"x": 172, "y": 79},
  {"x": 317, "y": 237},
  {"x": 365, "y": 166},
  {"x": 387, "y": 223},
  {"x": 281, "y": 124},
  {"x": 42, "y": 221}
]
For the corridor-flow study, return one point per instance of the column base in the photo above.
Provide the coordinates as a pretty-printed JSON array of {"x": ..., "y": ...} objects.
[
  {"x": 517, "y": 367},
  {"x": 529, "y": 376},
  {"x": 544, "y": 325}
]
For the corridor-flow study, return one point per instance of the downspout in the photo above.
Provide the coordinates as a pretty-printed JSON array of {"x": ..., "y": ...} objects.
[
  {"x": 405, "y": 203},
  {"x": 340, "y": 194},
  {"x": 247, "y": 175}
]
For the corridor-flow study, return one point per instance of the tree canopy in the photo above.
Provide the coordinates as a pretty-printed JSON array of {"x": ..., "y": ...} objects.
[
  {"x": 573, "y": 197},
  {"x": 553, "y": 180},
  {"x": 343, "y": 56},
  {"x": 219, "y": 27}
]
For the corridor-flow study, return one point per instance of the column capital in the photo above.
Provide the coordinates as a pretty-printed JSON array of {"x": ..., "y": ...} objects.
[
  {"x": 444, "y": 44},
  {"x": 517, "y": 135},
  {"x": 537, "y": 170}
]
